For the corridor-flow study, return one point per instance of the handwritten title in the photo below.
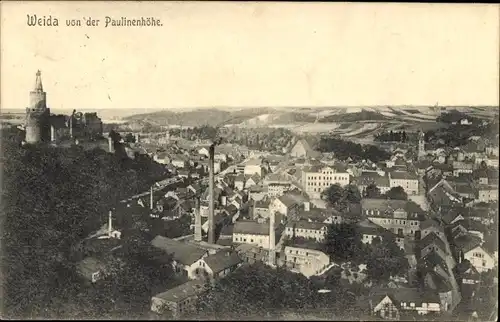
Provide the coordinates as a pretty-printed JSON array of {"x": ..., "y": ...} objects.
[{"x": 49, "y": 21}]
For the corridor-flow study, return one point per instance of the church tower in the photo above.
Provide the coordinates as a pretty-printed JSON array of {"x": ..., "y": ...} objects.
[
  {"x": 421, "y": 145},
  {"x": 37, "y": 114}
]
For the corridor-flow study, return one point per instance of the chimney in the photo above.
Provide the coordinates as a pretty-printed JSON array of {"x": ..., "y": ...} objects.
[
  {"x": 110, "y": 145},
  {"x": 197, "y": 221},
  {"x": 151, "y": 199},
  {"x": 272, "y": 240},
  {"x": 211, "y": 235},
  {"x": 52, "y": 133},
  {"x": 110, "y": 226}
]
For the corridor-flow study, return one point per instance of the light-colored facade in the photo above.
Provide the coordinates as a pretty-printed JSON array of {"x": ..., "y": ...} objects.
[
  {"x": 480, "y": 259},
  {"x": 488, "y": 193},
  {"x": 392, "y": 215},
  {"x": 407, "y": 181},
  {"x": 306, "y": 229},
  {"x": 305, "y": 261},
  {"x": 315, "y": 180}
]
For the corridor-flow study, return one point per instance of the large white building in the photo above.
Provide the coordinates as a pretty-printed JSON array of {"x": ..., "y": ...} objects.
[
  {"x": 316, "y": 179},
  {"x": 405, "y": 180},
  {"x": 306, "y": 261}
]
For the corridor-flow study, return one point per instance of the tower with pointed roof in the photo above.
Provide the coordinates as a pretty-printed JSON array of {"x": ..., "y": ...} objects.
[{"x": 37, "y": 114}]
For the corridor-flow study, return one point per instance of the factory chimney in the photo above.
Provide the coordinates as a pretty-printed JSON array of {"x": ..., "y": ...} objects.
[
  {"x": 272, "y": 240},
  {"x": 197, "y": 221},
  {"x": 110, "y": 225},
  {"x": 211, "y": 235},
  {"x": 110, "y": 145},
  {"x": 151, "y": 198}
]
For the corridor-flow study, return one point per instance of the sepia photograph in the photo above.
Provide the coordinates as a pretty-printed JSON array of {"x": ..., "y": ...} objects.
[{"x": 185, "y": 160}]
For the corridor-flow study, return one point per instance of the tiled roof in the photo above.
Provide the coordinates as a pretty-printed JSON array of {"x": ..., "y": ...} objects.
[
  {"x": 184, "y": 253},
  {"x": 222, "y": 260},
  {"x": 430, "y": 222},
  {"x": 403, "y": 175},
  {"x": 250, "y": 227},
  {"x": 263, "y": 203},
  {"x": 467, "y": 242},
  {"x": 302, "y": 224},
  {"x": 182, "y": 291},
  {"x": 433, "y": 239},
  {"x": 432, "y": 259}
]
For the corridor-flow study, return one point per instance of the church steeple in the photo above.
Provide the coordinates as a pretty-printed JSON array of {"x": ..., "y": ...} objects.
[{"x": 38, "y": 82}]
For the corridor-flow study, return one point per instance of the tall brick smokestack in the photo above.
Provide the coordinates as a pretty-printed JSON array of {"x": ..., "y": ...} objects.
[
  {"x": 110, "y": 145},
  {"x": 151, "y": 198},
  {"x": 211, "y": 232},
  {"x": 197, "y": 221},
  {"x": 272, "y": 240}
]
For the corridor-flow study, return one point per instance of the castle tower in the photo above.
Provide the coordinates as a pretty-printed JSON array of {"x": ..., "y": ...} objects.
[
  {"x": 37, "y": 114},
  {"x": 421, "y": 145}
]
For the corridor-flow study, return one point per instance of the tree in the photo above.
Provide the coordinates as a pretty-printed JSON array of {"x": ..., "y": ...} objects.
[
  {"x": 352, "y": 194},
  {"x": 372, "y": 191},
  {"x": 386, "y": 259},
  {"x": 130, "y": 138},
  {"x": 397, "y": 193},
  {"x": 335, "y": 196},
  {"x": 343, "y": 241}
]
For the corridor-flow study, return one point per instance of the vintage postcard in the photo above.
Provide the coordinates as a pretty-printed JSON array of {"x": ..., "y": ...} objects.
[{"x": 249, "y": 160}]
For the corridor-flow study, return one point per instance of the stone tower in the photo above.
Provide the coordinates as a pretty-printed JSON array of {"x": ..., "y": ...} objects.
[
  {"x": 37, "y": 114},
  {"x": 421, "y": 145}
]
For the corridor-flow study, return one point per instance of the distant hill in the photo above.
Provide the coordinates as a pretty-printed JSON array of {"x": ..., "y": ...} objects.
[{"x": 363, "y": 115}]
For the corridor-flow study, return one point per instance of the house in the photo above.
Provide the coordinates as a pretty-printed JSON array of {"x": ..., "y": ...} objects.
[
  {"x": 257, "y": 193},
  {"x": 393, "y": 303},
  {"x": 431, "y": 225},
  {"x": 178, "y": 300},
  {"x": 179, "y": 161},
  {"x": 487, "y": 193},
  {"x": 252, "y": 181},
  {"x": 253, "y": 166},
  {"x": 306, "y": 229},
  {"x": 277, "y": 184},
  {"x": 261, "y": 208},
  {"x": 467, "y": 273},
  {"x": 306, "y": 259},
  {"x": 183, "y": 174},
  {"x": 239, "y": 182},
  {"x": 320, "y": 215},
  {"x": 254, "y": 233},
  {"x": 462, "y": 167},
  {"x": 406, "y": 180},
  {"x": 204, "y": 151},
  {"x": 302, "y": 149},
  {"x": 399, "y": 216},
  {"x": 289, "y": 205},
  {"x": 316, "y": 179},
  {"x": 433, "y": 242},
  {"x": 220, "y": 264},
  {"x": 91, "y": 269},
  {"x": 367, "y": 178},
  {"x": 185, "y": 256},
  {"x": 369, "y": 231},
  {"x": 162, "y": 158},
  {"x": 479, "y": 258}
]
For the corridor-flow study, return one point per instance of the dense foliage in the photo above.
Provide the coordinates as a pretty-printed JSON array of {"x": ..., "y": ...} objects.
[
  {"x": 51, "y": 199},
  {"x": 343, "y": 243},
  {"x": 344, "y": 150},
  {"x": 395, "y": 193},
  {"x": 341, "y": 198},
  {"x": 257, "y": 291}
]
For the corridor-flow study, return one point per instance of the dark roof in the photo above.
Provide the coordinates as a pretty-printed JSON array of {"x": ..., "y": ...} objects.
[
  {"x": 231, "y": 209},
  {"x": 227, "y": 230},
  {"x": 222, "y": 260},
  {"x": 302, "y": 224},
  {"x": 182, "y": 291},
  {"x": 467, "y": 242},
  {"x": 250, "y": 227},
  {"x": 430, "y": 222},
  {"x": 184, "y": 253},
  {"x": 366, "y": 178},
  {"x": 403, "y": 175},
  {"x": 432, "y": 238},
  {"x": 263, "y": 203},
  {"x": 432, "y": 260}
]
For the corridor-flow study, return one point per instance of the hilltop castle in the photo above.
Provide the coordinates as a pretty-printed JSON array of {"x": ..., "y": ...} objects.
[{"x": 42, "y": 126}]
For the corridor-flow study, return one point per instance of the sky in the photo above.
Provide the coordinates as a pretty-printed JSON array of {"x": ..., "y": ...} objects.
[{"x": 252, "y": 55}]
